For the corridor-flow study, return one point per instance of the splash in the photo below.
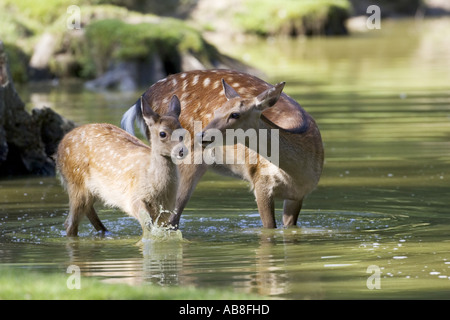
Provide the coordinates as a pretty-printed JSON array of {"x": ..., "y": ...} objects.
[
  {"x": 153, "y": 231},
  {"x": 161, "y": 234}
]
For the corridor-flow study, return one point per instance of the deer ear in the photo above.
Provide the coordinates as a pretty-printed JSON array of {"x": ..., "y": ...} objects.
[
  {"x": 269, "y": 97},
  {"x": 174, "y": 107},
  {"x": 230, "y": 93},
  {"x": 150, "y": 116}
]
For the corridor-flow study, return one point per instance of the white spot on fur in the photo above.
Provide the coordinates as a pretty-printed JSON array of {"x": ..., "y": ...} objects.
[
  {"x": 195, "y": 81},
  {"x": 206, "y": 82},
  {"x": 242, "y": 91}
]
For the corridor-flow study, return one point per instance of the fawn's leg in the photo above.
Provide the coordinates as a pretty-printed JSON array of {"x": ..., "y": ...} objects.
[
  {"x": 141, "y": 211},
  {"x": 76, "y": 213},
  {"x": 94, "y": 219},
  {"x": 291, "y": 210},
  {"x": 80, "y": 202}
]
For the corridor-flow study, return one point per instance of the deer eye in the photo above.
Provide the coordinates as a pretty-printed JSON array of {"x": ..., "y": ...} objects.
[
  {"x": 235, "y": 115},
  {"x": 162, "y": 134}
]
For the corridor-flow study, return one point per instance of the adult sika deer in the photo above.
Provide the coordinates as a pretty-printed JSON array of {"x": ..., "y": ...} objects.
[
  {"x": 101, "y": 161},
  {"x": 225, "y": 99}
]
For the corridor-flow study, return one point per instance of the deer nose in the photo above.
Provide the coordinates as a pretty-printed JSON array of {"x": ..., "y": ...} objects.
[{"x": 182, "y": 152}]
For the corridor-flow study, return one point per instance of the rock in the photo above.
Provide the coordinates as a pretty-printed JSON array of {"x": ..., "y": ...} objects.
[
  {"x": 26, "y": 141},
  {"x": 189, "y": 62},
  {"x": 129, "y": 75},
  {"x": 43, "y": 52},
  {"x": 134, "y": 74},
  {"x": 123, "y": 76},
  {"x": 52, "y": 127}
]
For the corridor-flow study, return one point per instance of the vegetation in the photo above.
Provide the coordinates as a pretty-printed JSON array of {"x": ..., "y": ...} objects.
[
  {"x": 111, "y": 34},
  {"x": 108, "y": 34},
  {"x": 22, "y": 284},
  {"x": 291, "y": 17},
  {"x": 125, "y": 42}
]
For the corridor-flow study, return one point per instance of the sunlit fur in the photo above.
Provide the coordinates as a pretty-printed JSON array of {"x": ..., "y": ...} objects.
[
  {"x": 101, "y": 161},
  {"x": 203, "y": 96}
]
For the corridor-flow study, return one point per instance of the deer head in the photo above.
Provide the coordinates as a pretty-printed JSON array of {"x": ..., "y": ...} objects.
[
  {"x": 242, "y": 113},
  {"x": 165, "y": 132}
]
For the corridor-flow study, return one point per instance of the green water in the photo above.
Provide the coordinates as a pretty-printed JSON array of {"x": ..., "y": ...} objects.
[{"x": 382, "y": 102}]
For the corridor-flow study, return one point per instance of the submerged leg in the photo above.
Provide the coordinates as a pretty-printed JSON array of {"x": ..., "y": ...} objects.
[
  {"x": 141, "y": 211},
  {"x": 291, "y": 210},
  {"x": 76, "y": 213},
  {"x": 266, "y": 206},
  {"x": 95, "y": 220},
  {"x": 81, "y": 204}
]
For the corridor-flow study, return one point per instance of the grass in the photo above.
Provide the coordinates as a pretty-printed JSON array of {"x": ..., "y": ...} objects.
[
  {"x": 23, "y": 284},
  {"x": 293, "y": 17}
]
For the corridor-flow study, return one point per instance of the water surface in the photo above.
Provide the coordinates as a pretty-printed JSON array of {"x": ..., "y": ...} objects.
[{"x": 382, "y": 102}]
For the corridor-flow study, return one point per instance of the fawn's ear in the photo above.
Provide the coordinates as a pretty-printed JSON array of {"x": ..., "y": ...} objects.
[
  {"x": 150, "y": 116},
  {"x": 230, "y": 93},
  {"x": 269, "y": 97},
  {"x": 174, "y": 107}
]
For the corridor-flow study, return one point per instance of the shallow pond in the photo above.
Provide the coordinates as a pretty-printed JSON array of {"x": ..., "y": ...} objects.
[{"x": 378, "y": 225}]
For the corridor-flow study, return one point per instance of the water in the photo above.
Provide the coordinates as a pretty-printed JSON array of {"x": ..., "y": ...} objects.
[{"x": 376, "y": 227}]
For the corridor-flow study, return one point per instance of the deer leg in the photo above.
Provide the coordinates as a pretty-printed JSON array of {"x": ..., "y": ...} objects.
[
  {"x": 73, "y": 220},
  {"x": 291, "y": 210},
  {"x": 141, "y": 211},
  {"x": 79, "y": 202},
  {"x": 190, "y": 175},
  {"x": 95, "y": 220},
  {"x": 76, "y": 213},
  {"x": 266, "y": 207}
]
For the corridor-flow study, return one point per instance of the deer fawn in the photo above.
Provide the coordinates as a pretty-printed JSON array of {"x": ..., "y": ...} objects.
[
  {"x": 225, "y": 99},
  {"x": 102, "y": 161}
]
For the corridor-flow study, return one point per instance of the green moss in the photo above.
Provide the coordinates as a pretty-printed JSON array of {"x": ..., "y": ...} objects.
[
  {"x": 44, "y": 12},
  {"x": 112, "y": 40},
  {"x": 17, "y": 61},
  {"x": 109, "y": 34},
  {"x": 293, "y": 17},
  {"x": 22, "y": 284}
]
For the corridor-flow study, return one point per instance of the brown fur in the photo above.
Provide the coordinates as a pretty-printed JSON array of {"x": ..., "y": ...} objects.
[
  {"x": 301, "y": 152},
  {"x": 101, "y": 161}
]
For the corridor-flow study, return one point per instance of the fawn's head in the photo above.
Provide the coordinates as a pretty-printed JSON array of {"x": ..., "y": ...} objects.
[
  {"x": 165, "y": 132},
  {"x": 243, "y": 113}
]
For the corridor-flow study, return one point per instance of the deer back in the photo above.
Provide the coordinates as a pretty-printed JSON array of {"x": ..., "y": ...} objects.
[{"x": 201, "y": 93}]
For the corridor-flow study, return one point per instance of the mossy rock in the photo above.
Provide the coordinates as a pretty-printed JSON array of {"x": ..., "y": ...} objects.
[
  {"x": 127, "y": 55},
  {"x": 293, "y": 18},
  {"x": 18, "y": 62},
  {"x": 113, "y": 40}
]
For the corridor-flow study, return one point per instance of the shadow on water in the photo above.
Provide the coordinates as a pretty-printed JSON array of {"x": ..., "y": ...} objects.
[{"x": 381, "y": 208}]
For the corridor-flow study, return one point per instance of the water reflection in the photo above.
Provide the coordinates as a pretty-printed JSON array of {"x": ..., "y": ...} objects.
[
  {"x": 382, "y": 104},
  {"x": 324, "y": 258}
]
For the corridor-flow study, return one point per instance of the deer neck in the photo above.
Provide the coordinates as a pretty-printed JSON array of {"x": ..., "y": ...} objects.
[
  {"x": 275, "y": 144},
  {"x": 161, "y": 168}
]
